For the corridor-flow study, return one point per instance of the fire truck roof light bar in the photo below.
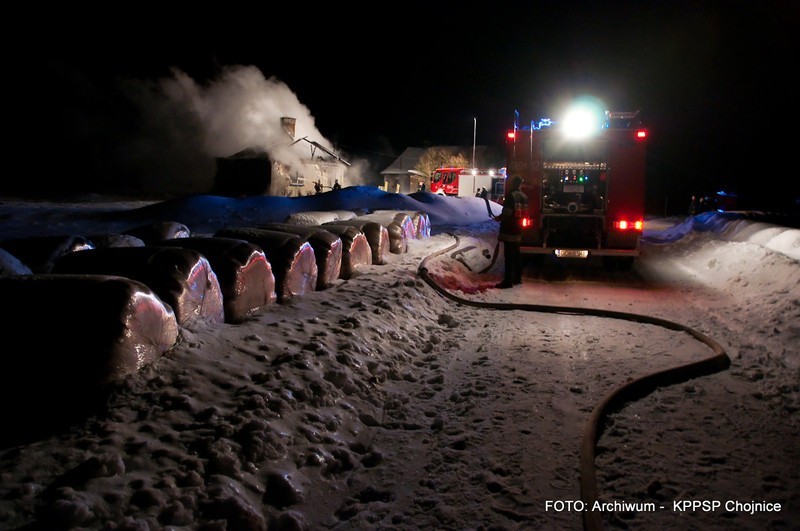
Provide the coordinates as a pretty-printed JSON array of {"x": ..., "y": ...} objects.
[
  {"x": 609, "y": 115},
  {"x": 544, "y": 122}
]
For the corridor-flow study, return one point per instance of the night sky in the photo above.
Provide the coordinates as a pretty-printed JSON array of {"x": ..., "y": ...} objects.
[{"x": 713, "y": 80}]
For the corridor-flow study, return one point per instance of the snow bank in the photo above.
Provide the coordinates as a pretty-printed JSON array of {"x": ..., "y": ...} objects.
[{"x": 733, "y": 227}]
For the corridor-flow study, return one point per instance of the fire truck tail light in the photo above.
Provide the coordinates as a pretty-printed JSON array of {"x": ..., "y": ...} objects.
[
  {"x": 526, "y": 223},
  {"x": 624, "y": 224},
  {"x": 641, "y": 134}
]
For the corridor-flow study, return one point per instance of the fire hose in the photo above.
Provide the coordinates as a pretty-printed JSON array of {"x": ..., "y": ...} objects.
[{"x": 615, "y": 400}]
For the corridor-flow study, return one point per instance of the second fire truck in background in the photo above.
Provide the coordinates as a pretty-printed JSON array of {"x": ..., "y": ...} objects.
[{"x": 465, "y": 182}]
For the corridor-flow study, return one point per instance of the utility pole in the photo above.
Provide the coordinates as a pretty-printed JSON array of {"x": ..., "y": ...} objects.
[{"x": 474, "y": 134}]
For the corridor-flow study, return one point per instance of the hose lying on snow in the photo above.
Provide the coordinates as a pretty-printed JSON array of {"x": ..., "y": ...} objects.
[{"x": 614, "y": 401}]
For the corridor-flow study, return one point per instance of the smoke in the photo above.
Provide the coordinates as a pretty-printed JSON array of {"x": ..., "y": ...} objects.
[{"x": 185, "y": 125}]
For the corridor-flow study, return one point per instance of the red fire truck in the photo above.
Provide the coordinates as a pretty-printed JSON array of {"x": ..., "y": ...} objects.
[
  {"x": 462, "y": 182},
  {"x": 585, "y": 185}
]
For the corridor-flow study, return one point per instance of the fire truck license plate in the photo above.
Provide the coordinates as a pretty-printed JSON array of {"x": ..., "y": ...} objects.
[{"x": 571, "y": 253}]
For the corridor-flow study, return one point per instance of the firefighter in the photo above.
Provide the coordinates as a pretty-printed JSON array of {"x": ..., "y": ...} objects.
[
  {"x": 336, "y": 185},
  {"x": 693, "y": 206},
  {"x": 515, "y": 210}
]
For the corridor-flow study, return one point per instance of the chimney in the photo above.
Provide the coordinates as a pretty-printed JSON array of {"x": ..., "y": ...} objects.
[{"x": 288, "y": 125}]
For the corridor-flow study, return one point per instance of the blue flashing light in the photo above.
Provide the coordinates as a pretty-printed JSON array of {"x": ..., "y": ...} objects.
[{"x": 544, "y": 122}]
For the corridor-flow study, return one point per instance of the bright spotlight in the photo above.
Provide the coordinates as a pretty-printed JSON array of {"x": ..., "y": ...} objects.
[{"x": 582, "y": 120}]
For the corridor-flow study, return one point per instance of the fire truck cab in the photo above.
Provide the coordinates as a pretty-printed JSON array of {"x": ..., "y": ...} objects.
[{"x": 585, "y": 185}]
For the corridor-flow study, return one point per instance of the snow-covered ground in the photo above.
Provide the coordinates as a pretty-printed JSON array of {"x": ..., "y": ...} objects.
[{"x": 380, "y": 404}]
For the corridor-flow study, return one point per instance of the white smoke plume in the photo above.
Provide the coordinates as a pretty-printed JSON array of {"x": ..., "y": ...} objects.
[{"x": 186, "y": 125}]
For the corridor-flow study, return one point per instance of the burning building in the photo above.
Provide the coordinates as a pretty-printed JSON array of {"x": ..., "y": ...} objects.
[{"x": 280, "y": 170}]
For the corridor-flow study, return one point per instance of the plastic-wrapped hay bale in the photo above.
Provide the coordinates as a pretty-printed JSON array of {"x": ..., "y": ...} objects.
[
  {"x": 69, "y": 338},
  {"x": 311, "y": 218},
  {"x": 39, "y": 253},
  {"x": 293, "y": 262},
  {"x": 400, "y": 228},
  {"x": 10, "y": 265},
  {"x": 377, "y": 235},
  {"x": 327, "y": 250},
  {"x": 161, "y": 230},
  {"x": 356, "y": 251},
  {"x": 403, "y": 218},
  {"x": 244, "y": 273},
  {"x": 408, "y": 225},
  {"x": 317, "y": 217},
  {"x": 115, "y": 240},
  {"x": 423, "y": 222},
  {"x": 342, "y": 215},
  {"x": 182, "y": 278},
  {"x": 420, "y": 220}
]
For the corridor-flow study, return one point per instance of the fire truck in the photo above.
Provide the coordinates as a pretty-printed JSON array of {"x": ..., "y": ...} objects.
[
  {"x": 462, "y": 182},
  {"x": 585, "y": 182}
]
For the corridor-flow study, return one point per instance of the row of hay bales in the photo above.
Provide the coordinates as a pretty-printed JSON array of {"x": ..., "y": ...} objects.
[{"x": 83, "y": 312}]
